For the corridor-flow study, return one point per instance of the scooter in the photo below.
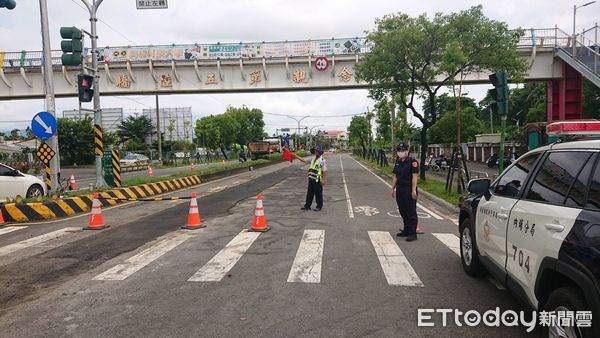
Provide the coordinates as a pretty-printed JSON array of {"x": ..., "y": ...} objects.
[{"x": 492, "y": 161}]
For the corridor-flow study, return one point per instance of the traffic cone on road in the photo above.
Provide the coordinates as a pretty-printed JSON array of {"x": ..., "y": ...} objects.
[
  {"x": 96, "y": 220},
  {"x": 194, "y": 221},
  {"x": 192, "y": 167},
  {"x": 150, "y": 174},
  {"x": 1, "y": 218},
  {"x": 260, "y": 223},
  {"x": 72, "y": 183},
  {"x": 419, "y": 231}
]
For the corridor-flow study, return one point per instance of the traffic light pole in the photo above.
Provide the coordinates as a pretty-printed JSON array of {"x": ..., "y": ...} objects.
[
  {"x": 501, "y": 150},
  {"x": 93, "y": 8},
  {"x": 49, "y": 92}
]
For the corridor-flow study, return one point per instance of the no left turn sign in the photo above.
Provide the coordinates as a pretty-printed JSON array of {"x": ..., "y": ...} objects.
[{"x": 321, "y": 63}]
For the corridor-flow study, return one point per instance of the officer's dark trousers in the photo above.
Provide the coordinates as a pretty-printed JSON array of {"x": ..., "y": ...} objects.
[
  {"x": 408, "y": 210},
  {"x": 314, "y": 189}
]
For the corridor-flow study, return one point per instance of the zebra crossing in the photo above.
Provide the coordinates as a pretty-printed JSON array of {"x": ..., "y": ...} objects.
[{"x": 305, "y": 268}]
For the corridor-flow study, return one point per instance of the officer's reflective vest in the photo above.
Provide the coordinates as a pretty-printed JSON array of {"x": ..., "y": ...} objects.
[{"x": 315, "y": 172}]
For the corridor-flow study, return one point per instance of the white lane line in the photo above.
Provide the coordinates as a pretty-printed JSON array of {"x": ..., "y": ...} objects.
[
  {"x": 350, "y": 210},
  {"x": 307, "y": 264},
  {"x": 436, "y": 216},
  {"x": 451, "y": 241},
  {"x": 396, "y": 267},
  {"x": 36, "y": 240},
  {"x": 135, "y": 263},
  {"x": 222, "y": 262},
  {"x": 10, "y": 229}
]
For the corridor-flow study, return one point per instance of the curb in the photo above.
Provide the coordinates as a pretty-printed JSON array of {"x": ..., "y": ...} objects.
[
  {"x": 41, "y": 211},
  {"x": 445, "y": 204}
]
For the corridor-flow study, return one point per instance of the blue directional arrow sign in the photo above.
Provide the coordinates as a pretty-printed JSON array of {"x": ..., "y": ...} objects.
[{"x": 43, "y": 125}]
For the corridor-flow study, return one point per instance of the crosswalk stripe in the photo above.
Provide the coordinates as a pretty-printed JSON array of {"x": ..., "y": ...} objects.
[
  {"x": 451, "y": 241},
  {"x": 36, "y": 240},
  {"x": 396, "y": 268},
  {"x": 307, "y": 264},
  {"x": 222, "y": 262},
  {"x": 137, "y": 262},
  {"x": 10, "y": 229}
]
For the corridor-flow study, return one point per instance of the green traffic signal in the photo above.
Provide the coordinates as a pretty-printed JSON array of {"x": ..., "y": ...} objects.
[
  {"x": 72, "y": 47},
  {"x": 8, "y": 4},
  {"x": 500, "y": 93}
]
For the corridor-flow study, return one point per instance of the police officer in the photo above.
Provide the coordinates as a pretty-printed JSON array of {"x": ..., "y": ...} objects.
[
  {"x": 404, "y": 189},
  {"x": 317, "y": 174}
]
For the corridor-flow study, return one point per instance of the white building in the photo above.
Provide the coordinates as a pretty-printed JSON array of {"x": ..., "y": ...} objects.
[
  {"x": 111, "y": 117},
  {"x": 180, "y": 118}
]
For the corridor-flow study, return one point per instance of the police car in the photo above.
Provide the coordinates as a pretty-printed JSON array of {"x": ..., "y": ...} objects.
[{"x": 536, "y": 228}]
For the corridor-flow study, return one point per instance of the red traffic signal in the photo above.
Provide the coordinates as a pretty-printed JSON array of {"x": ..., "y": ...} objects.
[{"x": 85, "y": 87}]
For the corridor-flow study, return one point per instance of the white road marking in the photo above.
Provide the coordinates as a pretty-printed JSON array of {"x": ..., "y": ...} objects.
[
  {"x": 350, "y": 212},
  {"x": 455, "y": 221},
  {"x": 10, "y": 229},
  {"x": 436, "y": 216},
  {"x": 222, "y": 262},
  {"x": 451, "y": 241},
  {"x": 135, "y": 263},
  {"x": 396, "y": 267},
  {"x": 36, "y": 240},
  {"x": 367, "y": 210},
  {"x": 307, "y": 264}
]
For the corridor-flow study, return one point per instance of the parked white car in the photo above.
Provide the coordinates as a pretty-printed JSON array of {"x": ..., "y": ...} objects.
[
  {"x": 14, "y": 182},
  {"x": 134, "y": 159}
]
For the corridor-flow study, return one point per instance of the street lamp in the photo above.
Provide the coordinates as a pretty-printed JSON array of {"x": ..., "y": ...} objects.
[
  {"x": 298, "y": 120},
  {"x": 574, "y": 13},
  {"x": 310, "y": 132}
]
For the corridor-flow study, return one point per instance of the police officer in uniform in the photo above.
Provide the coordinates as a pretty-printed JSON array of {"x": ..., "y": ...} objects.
[
  {"x": 317, "y": 174},
  {"x": 404, "y": 189}
]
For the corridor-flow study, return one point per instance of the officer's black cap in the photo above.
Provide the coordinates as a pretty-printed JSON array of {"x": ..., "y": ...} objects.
[{"x": 402, "y": 147}]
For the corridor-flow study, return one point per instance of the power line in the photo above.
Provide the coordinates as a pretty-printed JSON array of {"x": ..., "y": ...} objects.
[{"x": 104, "y": 22}]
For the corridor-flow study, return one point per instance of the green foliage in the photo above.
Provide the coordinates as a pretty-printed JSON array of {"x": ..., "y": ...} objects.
[
  {"x": 591, "y": 100},
  {"x": 76, "y": 140},
  {"x": 444, "y": 131},
  {"x": 410, "y": 55},
  {"x": 135, "y": 128},
  {"x": 235, "y": 125},
  {"x": 358, "y": 132}
]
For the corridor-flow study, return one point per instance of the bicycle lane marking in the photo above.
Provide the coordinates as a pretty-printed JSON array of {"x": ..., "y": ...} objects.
[{"x": 433, "y": 214}]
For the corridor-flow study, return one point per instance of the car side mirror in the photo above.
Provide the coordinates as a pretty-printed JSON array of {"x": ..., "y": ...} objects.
[
  {"x": 15, "y": 172},
  {"x": 481, "y": 187}
]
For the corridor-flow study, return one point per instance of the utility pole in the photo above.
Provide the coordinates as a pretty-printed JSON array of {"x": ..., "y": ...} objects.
[
  {"x": 159, "y": 136},
  {"x": 393, "y": 119},
  {"x": 49, "y": 91},
  {"x": 93, "y": 9}
]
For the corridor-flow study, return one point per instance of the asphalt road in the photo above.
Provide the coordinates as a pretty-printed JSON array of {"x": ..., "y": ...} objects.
[{"x": 338, "y": 272}]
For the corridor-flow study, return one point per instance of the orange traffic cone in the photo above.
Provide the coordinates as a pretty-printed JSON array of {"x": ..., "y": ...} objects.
[
  {"x": 192, "y": 167},
  {"x": 260, "y": 223},
  {"x": 419, "y": 231},
  {"x": 1, "y": 218},
  {"x": 96, "y": 220},
  {"x": 72, "y": 183},
  {"x": 150, "y": 174},
  {"x": 194, "y": 221},
  {"x": 222, "y": 163}
]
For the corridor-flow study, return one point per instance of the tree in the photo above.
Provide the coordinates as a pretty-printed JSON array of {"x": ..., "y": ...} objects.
[
  {"x": 591, "y": 100},
  {"x": 251, "y": 124},
  {"x": 135, "y": 128},
  {"x": 407, "y": 58},
  {"x": 358, "y": 132},
  {"x": 15, "y": 134},
  {"x": 76, "y": 140},
  {"x": 444, "y": 131},
  {"x": 383, "y": 119},
  {"x": 29, "y": 133}
]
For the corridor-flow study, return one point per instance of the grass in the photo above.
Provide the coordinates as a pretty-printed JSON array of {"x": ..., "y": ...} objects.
[{"x": 431, "y": 185}]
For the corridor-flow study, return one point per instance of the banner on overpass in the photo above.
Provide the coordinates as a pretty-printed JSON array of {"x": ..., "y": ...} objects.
[{"x": 233, "y": 50}]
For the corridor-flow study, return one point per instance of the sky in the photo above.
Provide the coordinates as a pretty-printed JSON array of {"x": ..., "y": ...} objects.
[{"x": 210, "y": 21}]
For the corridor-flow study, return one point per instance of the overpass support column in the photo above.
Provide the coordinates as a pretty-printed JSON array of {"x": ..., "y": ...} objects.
[{"x": 564, "y": 95}]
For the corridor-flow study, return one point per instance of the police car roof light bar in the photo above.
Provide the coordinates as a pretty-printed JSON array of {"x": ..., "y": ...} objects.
[{"x": 578, "y": 127}]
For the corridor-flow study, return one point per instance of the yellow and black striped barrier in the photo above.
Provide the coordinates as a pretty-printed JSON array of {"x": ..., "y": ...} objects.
[
  {"x": 39, "y": 211},
  {"x": 48, "y": 171},
  {"x": 156, "y": 199},
  {"x": 98, "y": 140},
  {"x": 116, "y": 165}
]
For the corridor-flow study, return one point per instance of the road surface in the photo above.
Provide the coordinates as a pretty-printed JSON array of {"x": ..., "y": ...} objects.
[{"x": 338, "y": 272}]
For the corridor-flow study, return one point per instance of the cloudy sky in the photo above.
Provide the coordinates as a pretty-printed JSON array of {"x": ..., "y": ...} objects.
[{"x": 209, "y": 21}]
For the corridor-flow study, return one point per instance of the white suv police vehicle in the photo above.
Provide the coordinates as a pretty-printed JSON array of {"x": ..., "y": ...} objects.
[{"x": 536, "y": 228}]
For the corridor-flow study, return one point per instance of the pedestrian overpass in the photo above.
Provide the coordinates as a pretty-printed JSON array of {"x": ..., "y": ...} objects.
[{"x": 326, "y": 64}]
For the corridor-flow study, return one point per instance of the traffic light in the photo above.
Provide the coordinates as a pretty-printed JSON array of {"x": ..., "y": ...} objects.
[
  {"x": 8, "y": 4},
  {"x": 72, "y": 47},
  {"x": 85, "y": 87},
  {"x": 499, "y": 94}
]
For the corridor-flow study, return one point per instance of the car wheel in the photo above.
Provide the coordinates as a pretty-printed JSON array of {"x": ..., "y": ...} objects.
[
  {"x": 468, "y": 251},
  {"x": 567, "y": 299},
  {"x": 35, "y": 191}
]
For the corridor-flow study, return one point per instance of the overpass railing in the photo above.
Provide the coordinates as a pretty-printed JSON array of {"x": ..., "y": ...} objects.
[{"x": 534, "y": 37}]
